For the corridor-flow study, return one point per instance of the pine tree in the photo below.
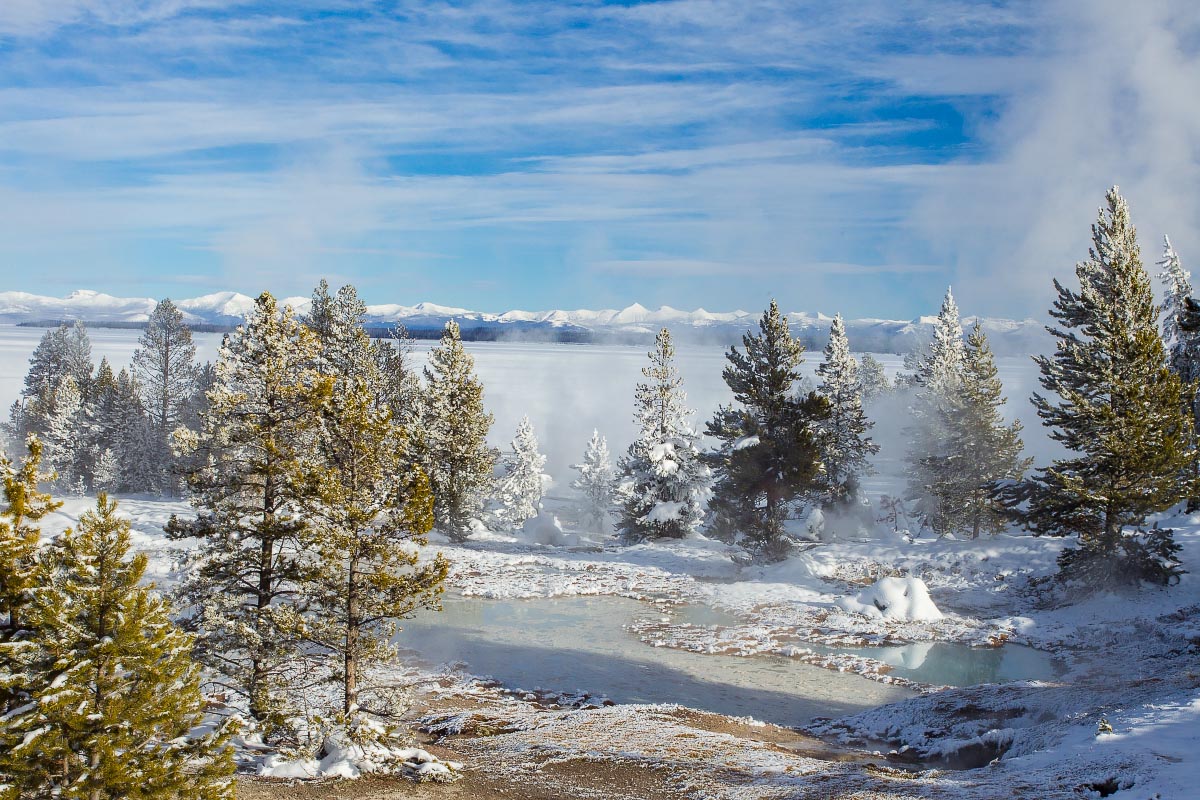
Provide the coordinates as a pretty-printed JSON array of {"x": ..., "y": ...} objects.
[
  {"x": 63, "y": 351},
  {"x": 77, "y": 359},
  {"x": 64, "y": 434},
  {"x": 453, "y": 451},
  {"x": 519, "y": 491},
  {"x": 20, "y": 537},
  {"x": 984, "y": 451},
  {"x": 337, "y": 320},
  {"x": 165, "y": 366},
  {"x": 874, "y": 380},
  {"x": 596, "y": 482},
  {"x": 1120, "y": 413},
  {"x": 769, "y": 458},
  {"x": 664, "y": 481},
  {"x": 136, "y": 436},
  {"x": 1181, "y": 333},
  {"x": 114, "y": 690},
  {"x": 365, "y": 505},
  {"x": 106, "y": 475},
  {"x": 931, "y": 463},
  {"x": 257, "y": 432},
  {"x": 400, "y": 385},
  {"x": 846, "y": 448}
]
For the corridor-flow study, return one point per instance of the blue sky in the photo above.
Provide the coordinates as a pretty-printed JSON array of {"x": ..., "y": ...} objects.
[{"x": 848, "y": 157}]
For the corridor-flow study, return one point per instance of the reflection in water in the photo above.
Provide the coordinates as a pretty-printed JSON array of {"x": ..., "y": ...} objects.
[
  {"x": 580, "y": 644},
  {"x": 947, "y": 664}
]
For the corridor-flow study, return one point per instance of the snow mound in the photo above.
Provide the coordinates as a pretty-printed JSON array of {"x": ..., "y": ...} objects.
[
  {"x": 546, "y": 529},
  {"x": 894, "y": 599},
  {"x": 342, "y": 758}
]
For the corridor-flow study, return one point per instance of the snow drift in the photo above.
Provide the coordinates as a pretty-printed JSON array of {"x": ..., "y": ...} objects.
[{"x": 904, "y": 599}]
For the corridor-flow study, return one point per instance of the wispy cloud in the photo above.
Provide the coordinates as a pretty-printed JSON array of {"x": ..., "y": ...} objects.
[{"x": 497, "y": 153}]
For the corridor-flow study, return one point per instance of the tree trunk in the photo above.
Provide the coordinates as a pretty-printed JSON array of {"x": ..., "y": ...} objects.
[{"x": 350, "y": 687}]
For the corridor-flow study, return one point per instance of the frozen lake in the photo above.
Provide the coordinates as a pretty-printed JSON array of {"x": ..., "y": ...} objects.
[
  {"x": 582, "y": 644},
  {"x": 567, "y": 390}
]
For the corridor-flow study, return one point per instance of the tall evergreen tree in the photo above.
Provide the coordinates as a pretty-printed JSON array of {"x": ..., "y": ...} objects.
[
  {"x": 664, "y": 481},
  {"x": 137, "y": 436},
  {"x": 65, "y": 426},
  {"x": 337, "y": 320},
  {"x": 984, "y": 452},
  {"x": 453, "y": 451},
  {"x": 114, "y": 690},
  {"x": 1119, "y": 410},
  {"x": 519, "y": 491},
  {"x": 874, "y": 380},
  {"x": 769, "y": 458},
  {"x": 596, "y": 482},
  {"x": 366, "y": 505},
  {"x": 1181, "y": 333},
  {"x": 931, "y": 462},
  {"x": 20, "y": 538},
  {"x": 257, "y": 432},
  {"x": 846, "y": 448},
  {"x": 65, "y": 351},
  {"x": 165, "y": 366},
  {"x": 399, "y": 381}
]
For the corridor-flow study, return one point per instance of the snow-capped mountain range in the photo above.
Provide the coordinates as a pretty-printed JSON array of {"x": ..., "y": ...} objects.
[{"x": 627, "y": 324}]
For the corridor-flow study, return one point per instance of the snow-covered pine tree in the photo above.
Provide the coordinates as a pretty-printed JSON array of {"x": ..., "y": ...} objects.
[
  {"x": 137, "y": 435},
  {"x": 114, "y": 423},
  {"x": 367, "y": 508},
  {"x": 596, "y": 482},
  {"x": 20, "y": 538},
  {"x": 62, "y": 351},
  {"x": 257, "y": 432},
  {"x": 114, "y": 691},
  {"x": 77, "y": 358},
  {"x": 874, "y": 380},
  {"x": 1119, "y": 410},
  {"x": 931, "y": 463},
  {"x": 165, "y": 366},
  {"x": 769, "y": 458},
  {"x": 1181, "y": 333},
  {"x": 337, "y": 320},
  {"x": 106, "y": 473},
  {"x": 453, "y": 450},
  {"x": 65, "y": 437},
  {"x": 984, "y": 452},
  {"x": 47, "y": 364},
  {"x": 664, "y": 481},
  {"x": 400, "y": 384},
  {"x": 519, "y": 491},
  {"x": 846, "y": 448}
]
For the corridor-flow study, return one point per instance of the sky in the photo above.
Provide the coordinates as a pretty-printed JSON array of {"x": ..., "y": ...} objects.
[{"x": 840, "y": 157}]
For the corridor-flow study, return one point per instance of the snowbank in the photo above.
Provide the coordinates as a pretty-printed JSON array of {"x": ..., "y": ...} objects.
[{"x": 894, "y": 599}]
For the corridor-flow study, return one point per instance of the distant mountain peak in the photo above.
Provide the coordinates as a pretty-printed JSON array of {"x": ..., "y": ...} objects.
[{"x": 635, "y": 322}]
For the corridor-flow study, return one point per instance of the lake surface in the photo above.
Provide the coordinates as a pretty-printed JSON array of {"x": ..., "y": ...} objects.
[{"x": 581, "y": 644}]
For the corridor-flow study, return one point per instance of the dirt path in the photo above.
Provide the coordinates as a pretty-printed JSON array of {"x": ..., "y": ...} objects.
[{"x": 513, "y": 748}]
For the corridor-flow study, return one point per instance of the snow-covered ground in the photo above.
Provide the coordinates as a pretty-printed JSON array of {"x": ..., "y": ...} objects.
[{"x": 1128, "y": 658}]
